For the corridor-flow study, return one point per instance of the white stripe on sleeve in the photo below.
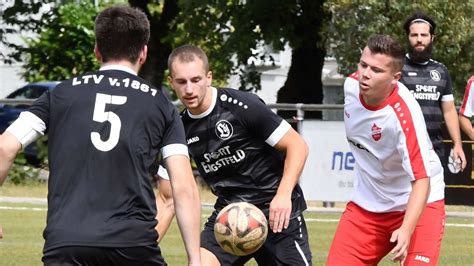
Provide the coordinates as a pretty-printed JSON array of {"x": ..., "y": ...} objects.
[
  {"x": 27, "y": 128},
  {"x": 175, "y": 149},
  {"x": 163, "y": 173},
  {"x": 447, "y": 97},
  {"x": 279, "y": 132}
]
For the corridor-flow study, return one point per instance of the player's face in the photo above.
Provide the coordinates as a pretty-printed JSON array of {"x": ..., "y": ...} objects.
[
  {"x": 376, "y": 77},
  {"x": 419, "y": 36},
  {"x": 192, "y": 85}
]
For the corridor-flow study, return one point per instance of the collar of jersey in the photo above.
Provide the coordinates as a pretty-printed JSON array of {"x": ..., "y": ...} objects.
[
  {"x": 422, "y": 63},
  {"x": 211, "y": 107},
  {"x": 390, "y": 99},
  {"x": 118, "y": 67}
]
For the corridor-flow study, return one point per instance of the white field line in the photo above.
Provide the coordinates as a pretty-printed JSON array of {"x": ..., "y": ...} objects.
[
  {"x": 22, "y": 208},
  {"x": 205, "y": 216}
]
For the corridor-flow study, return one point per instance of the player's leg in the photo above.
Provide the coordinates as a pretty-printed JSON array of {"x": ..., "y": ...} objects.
[
  {"x": 425, "y": 242},
  {"x": 208, "y": 258},
  {"x": 290, "y": 247},
  {"x": 362, "y": 237},
  {"x": 211, "y": 253}
]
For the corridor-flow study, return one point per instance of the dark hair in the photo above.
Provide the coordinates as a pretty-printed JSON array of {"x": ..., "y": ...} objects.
[
  {"x": 422, "y": 18},
  {"x": 384, "y": 44},
  {"x": 121, "y": 32},
  {"x": 188, "y": 53}
]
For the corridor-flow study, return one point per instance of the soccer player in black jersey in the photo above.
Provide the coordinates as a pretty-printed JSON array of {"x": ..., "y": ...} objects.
[
  {"x": 244, "y": 152},
  {"x": 105, "y": 129},
  {"x": 430, "y": 84}
]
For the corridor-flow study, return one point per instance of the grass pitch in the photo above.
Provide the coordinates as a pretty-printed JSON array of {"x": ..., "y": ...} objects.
[
  {"x": 23, "y": 242},
  {"x": 23, "y": 225}
]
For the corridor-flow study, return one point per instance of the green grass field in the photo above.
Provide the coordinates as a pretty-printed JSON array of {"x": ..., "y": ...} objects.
[{"x": 23, "y": 224}]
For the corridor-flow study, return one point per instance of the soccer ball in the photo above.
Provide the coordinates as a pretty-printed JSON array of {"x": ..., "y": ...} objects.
[
  {"x": 241, "y": 228},
  {"x": 454, "y": 165}
]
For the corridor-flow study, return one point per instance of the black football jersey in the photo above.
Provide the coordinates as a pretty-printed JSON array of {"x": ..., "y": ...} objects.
[
  {"x": 232, "y": 146},
  {"x": 105, "y": 129},
  {"x": 429, "y": 83}
]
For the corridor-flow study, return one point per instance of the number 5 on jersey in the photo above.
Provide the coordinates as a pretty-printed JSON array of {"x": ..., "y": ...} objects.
[{"x": 101, "y": 116}]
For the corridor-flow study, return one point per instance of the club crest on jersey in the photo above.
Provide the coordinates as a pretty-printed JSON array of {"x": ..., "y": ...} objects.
[
  {"x": 435, "y": 75},
  {"x": 224, "y": 129},
  {"x": 376, "y": 132}
]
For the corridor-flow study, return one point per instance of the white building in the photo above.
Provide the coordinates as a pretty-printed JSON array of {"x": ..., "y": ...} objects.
[{"x": 274, "y": 78}]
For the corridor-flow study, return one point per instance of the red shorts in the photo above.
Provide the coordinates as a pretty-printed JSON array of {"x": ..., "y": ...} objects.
[
  {"x": 363, "y": 237},
  {"x": 425, "y": 242}
]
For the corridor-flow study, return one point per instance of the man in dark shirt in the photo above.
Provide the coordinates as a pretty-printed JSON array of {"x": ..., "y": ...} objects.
[
  {"x": 430, "y": 84},
  {"x": 105, "y": 128},
  {"x": 244, "y": 152}
]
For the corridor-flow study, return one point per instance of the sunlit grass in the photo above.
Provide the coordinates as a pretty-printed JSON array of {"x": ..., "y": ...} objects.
[{"x": 23, "y": 225}]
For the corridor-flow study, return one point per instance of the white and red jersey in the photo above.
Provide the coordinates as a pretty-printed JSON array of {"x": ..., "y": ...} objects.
[
  {"x": 467, "y": 107},
  {"x": 391, "y": 148}
]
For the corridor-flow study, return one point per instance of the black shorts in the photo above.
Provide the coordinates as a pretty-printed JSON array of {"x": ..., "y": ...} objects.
[
  {"x": 82, "y": 255},
  {"x": 290, "y": 247}
]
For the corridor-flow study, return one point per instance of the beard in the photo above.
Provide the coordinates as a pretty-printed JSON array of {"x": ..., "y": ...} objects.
[{"x": 420, "y": 56}]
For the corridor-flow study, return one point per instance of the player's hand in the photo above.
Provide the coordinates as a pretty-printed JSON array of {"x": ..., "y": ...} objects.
[
  {"x": 400, "y": 251},
  {"x": 1, "y": 232},
  {"x": 459, "y": 155},
  {"x": 280, "y": 210}
]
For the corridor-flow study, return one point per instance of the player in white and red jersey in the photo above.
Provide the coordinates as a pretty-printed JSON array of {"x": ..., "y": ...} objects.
[
  {"x": 397, "y": 170},
  {"x": 467, "y": 109}
]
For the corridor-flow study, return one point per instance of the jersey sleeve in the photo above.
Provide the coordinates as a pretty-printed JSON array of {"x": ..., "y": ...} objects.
[
  {"x": 448, "y": 94},
  {"x": 467, "y": 107},
  {"x": 41, "y": 107},
  {"x": 351, "y": 87},
  {"x": 163, "y": 173},
  {"x": 262, "y": 121},
  {"x": 174, "y": 141},
  {"x": 33, "y": 123},
  {"x": 27, "y": 128},
  {"x": 416, "y": 144}
]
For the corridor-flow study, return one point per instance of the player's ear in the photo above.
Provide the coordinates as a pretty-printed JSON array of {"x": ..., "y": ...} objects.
[
  {"x": 143, "y": 55},
  {"x": 396, "y": 77},
  {"x": 209, "y": 78},
  {"x": 97, "y": 53},
  {"x": 170, "y": 81}
]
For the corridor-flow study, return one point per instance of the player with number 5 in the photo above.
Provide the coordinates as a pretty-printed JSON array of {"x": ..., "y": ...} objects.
[{"x": 105, "y": 129}]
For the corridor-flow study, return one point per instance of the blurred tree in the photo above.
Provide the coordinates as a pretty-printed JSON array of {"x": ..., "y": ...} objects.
[
  {"x": 161, "y": 15},
  {"x": 60, "y": 39},
  {"x": 233, "y": 32},
  {"x": 354, "y": 21}
]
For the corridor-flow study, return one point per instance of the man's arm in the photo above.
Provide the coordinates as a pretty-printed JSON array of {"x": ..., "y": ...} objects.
[
  {"x": 416, "y": 205},
  {"x": 296, "y": 150},
  {"x": 9, "y": 147},
  {"x": 165, "y": 206},
  {"x": 466, "y": 126},
  {"x": 452, "y": 124},
  {"x": 186, "y": 203}
]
